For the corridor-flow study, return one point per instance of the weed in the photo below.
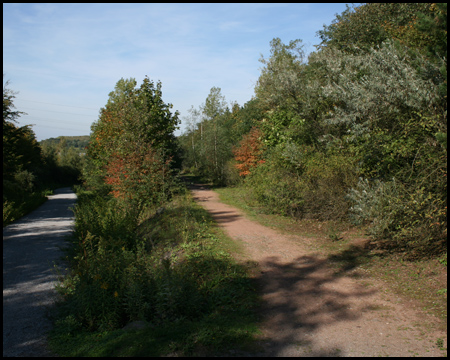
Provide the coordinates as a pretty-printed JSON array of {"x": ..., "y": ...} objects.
[
  {"x": 443, "y": 260},
  {"x": 334, "y": 234}
]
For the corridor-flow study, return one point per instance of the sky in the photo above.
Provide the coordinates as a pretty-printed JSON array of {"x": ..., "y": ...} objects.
[{"x": 64, "y": 59}]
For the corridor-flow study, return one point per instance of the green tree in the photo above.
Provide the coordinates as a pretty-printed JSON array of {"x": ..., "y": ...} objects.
[
  {"x": 132, "y": 145},
  {"x": 21, "y": 152},
  {"x": 368, "y": 25},
  {"x": 190, "y": 140},
  {"x": 214, "y": 148},
  {"x": 280, "y": 83}
]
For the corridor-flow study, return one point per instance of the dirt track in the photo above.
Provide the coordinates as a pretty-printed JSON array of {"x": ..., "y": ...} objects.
[
  {"x": 31, "y": 246},
  {"x": 308, "y": 311}
]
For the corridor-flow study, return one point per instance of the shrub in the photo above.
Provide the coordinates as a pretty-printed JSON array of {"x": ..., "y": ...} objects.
[
  {"x": 276, "y": 188},
  {"x": 160, "y": 270},
  {"x": 249, "y": 153},
  {"x": 408, "y": 219},
  {"x": 298, "y": 181},
  {"x": 325, "y": 182}
]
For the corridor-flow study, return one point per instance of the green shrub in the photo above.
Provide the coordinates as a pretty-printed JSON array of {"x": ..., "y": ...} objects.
[
  {"x": 300, "y": 182},
  {"x": 408, "y": 219},
  {"x": 277, "y": 189},
  {"x": 8, "y": 212},
  {"x": 325, "y": 181},
  {"x": 164, "y": 269}
]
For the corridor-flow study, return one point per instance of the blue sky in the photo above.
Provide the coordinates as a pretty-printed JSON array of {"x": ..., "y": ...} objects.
[{"x": 64, "y": 59}]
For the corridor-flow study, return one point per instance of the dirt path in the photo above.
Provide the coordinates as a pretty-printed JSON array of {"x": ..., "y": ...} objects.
[
  {"x": 308, "y": 311},
  {"x": 31, "y": 246}
]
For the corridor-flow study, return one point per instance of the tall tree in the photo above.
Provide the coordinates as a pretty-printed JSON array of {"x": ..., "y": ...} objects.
[
  {"x": 132, "y": 145},
  {"x": 280, "y": 82},
  {"x": 213, "y": 144},
  {"x": 350, "y": 30}
]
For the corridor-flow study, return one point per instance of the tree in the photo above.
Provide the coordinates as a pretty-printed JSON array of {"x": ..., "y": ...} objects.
[
  {"x": 21, "y": 152},
  {"x": 190, "y": 151},
  {"x": 249, "y": 153},
  {"x": 132, "y": 145},
  {"x": 280, "y": 82},
  {"x": 368, "y": 25}
]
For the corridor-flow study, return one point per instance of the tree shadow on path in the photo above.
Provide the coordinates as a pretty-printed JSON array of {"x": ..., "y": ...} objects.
[{"x": 299, "y": 298}]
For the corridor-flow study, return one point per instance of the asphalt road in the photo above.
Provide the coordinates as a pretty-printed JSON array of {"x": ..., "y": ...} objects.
[{"x": 31, "y": 249}]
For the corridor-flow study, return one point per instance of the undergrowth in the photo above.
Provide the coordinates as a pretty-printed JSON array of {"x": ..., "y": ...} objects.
[
  {"x": 168, "y": 267},
  {"x": 20, "y": 205}
]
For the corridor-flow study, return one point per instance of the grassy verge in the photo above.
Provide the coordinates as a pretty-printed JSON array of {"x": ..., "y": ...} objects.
[
  {"x": 422, "y": 282},
  {"x": 174, "y": 274},
  {"x": 20, "y": 206}
]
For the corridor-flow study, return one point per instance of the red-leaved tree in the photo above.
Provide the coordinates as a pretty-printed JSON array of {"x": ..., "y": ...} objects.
[{"x": 249, "y": 153}]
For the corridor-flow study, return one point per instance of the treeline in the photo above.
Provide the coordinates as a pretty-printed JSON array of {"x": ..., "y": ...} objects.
[
  {"x": 31, "y": 169},
  {"x": 357, "y": 131},
  {"x": 78, "y": 142}
]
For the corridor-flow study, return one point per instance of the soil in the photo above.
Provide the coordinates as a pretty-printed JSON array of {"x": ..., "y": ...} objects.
[{"x": 309, "y": 310}]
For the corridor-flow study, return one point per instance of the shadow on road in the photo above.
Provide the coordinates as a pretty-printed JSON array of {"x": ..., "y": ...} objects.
[{"x": 299, "y": 298}]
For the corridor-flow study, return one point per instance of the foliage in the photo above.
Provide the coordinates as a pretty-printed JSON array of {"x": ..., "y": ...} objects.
[
  {"x": 411, "y": 221},
  {"x": 78, "y": 142},
  {"x": 249, "y": 153},
  {"x": 300, "y": 182},
  {"x": 350, "y": 29},
  {"x": 165, "y": 268},
  {"x": 370, "y": 103},
  {"x": 208, "y": 142},
  {"x": 132, "y": 147},
  {"x": 280, "y": 82},
  {"x": 139, "y": 175}
]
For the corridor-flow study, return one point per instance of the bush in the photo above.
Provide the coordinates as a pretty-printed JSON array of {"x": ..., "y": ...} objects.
[
  {"x": 410, "y": 220},
  {"x": 231, "y": 173},
  {"x": 298, "y": 181},
  {"x": 325, "y": 183},
  {"x": 276, "y": 188},
  {"x": 160, "y": 270}
]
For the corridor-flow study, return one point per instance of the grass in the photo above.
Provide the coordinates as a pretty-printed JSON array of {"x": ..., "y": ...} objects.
[
  {"x": 202, "y": 302},
  {"x": 422, "y": 282},
  {"x": 206, "y": 337},
  {"x": 20, "y": 206}
]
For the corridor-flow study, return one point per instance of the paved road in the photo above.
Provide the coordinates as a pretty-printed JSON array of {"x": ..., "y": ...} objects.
[{"x": 31, "y": 247}]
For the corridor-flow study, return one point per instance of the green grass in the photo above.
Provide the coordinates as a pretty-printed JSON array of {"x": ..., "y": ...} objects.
[
  {"x": 19, "y": 206},
  {"x": 200, "y": 302},
  {"x": 206, "y": 337}
]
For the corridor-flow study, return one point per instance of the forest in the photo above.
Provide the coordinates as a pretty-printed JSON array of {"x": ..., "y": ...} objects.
[{"x": 354, "y": 132}]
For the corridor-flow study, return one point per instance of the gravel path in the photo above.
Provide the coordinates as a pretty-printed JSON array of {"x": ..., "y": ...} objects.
[
  {"x": 309, "y": 311},
  {"x": 31, "y": 247}
]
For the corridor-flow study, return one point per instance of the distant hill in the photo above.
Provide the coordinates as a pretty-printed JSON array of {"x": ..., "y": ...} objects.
[{"x": 77, "y": 142}]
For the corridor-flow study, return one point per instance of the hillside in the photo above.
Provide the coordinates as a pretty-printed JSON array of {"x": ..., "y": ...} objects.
[{"x": 79, "y": 142}]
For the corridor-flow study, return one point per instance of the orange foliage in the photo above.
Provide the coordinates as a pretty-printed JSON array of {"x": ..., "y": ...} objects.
[
  {"x": 132, "y": 175},
  {"x": 249, "y": 153}
]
